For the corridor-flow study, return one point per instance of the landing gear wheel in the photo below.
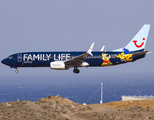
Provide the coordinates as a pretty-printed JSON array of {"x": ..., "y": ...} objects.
[
  {"x": 16, "y": 71},
  {"x": 76, "y": 70}
]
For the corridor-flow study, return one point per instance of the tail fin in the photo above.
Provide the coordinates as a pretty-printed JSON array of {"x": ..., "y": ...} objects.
[{"x": 139, "y": 41}]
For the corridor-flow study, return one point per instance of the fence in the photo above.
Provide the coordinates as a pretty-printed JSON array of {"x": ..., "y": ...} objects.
[{"x": 124, "y": 98}]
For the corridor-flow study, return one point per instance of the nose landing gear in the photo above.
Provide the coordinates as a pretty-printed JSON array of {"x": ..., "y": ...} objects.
[
  {"x": 76, "y": 70},
  {"x": 16, "y": 71}
]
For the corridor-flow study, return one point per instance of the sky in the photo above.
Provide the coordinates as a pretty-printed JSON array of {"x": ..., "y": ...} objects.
[{"x": 52, "y": 25}]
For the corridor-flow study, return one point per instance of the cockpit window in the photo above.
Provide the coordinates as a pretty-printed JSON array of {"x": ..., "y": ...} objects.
[{"x": 10, "y": 57}]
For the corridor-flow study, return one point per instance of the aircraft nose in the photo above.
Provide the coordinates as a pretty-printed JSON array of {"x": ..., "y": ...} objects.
[{"x": 4, "y": 61}]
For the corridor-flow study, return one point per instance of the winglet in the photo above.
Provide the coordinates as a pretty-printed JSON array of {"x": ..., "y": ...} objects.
[
  {"x": 90, "y": 49},
  {"x": 102, "y": 48}
]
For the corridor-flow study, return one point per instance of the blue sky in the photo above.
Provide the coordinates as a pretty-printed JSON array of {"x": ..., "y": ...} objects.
[{"x": 73, "y": 25}]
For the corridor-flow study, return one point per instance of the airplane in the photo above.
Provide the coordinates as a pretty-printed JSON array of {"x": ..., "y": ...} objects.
[{"x": 133, "y": 51}]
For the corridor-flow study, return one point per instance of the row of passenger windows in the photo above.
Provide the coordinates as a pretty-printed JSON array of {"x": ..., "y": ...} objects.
[
  {"x": 88, "y": 57},
  {"x": 93, "y": 57},
  {"x": 10, "y": 57}
]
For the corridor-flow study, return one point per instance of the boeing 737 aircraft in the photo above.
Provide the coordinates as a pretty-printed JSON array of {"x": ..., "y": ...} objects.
[{"x": 133, "y": 51}]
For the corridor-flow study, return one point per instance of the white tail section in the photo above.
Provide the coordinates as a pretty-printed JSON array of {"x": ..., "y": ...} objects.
[{"x": 139, "y": 41}]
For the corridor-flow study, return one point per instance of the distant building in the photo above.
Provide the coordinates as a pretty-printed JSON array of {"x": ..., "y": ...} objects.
[{"x": 125, "y": 98}]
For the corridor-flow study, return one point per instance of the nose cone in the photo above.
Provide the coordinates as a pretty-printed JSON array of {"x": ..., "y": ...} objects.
[{"x": 4, "y": 61}]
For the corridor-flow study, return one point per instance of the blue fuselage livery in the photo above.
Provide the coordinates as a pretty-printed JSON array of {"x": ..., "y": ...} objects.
[
  {"x": 65, "y": 60},
  {"x": 43, "y": 59}
]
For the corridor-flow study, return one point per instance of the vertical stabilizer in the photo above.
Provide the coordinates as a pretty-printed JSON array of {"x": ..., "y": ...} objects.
[{"x": 139, "y": 41}]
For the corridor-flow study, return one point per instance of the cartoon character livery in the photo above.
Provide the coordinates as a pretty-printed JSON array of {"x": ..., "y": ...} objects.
[
  {"x": 125, "y": 56},
  {"x": 133, "y": 51},
  {"x": 106, "y": 59}
]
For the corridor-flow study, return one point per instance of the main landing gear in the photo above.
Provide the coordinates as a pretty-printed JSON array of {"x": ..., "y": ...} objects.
[{"x": 76, "y": 70}]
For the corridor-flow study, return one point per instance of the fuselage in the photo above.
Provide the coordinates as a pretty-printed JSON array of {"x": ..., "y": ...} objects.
[{"x": 43, "y": 59}]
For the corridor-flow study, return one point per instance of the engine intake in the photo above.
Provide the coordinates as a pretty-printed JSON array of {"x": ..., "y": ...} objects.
[{"x": 58, "y": 65}]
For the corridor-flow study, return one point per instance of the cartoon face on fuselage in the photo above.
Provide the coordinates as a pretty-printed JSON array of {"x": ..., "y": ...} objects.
[
  {"x": 106, "y": 59},
  {"x": 125, "y": 57}
]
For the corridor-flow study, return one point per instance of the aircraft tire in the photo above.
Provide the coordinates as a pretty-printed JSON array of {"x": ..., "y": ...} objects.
[
  {"x": 76, "y": 70},
  {"x": 16, "y": 71}
]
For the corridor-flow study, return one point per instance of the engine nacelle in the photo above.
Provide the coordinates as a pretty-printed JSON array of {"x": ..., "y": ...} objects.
[
  {"x": 85, "y": 64},
  {"x": 58, "y": 65}
]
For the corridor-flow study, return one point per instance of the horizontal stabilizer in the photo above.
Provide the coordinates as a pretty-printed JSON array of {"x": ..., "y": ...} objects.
[
  {"x": 149, "y": 52},
  {"x": 140, "y": 53}
]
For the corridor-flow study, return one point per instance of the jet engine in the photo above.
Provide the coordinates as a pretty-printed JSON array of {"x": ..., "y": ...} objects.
[{"x": 58, "y": 65}]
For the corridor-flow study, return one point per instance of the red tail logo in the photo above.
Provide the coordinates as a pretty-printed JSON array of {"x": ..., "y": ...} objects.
[{"x": 138, "y": 46}]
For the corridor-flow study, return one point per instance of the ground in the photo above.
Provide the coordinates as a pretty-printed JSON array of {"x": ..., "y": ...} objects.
[{"x": 57, "y": 108}]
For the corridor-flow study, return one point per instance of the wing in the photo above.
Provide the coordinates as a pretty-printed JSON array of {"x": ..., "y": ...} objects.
[{"x": 79, "y": 60}]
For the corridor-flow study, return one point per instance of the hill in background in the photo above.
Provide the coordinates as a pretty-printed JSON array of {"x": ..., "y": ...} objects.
[{"x": 52, "y": 108}]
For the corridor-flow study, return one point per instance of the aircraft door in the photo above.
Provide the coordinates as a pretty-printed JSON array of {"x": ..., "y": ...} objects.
[{"x": 19, "y": 58}]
